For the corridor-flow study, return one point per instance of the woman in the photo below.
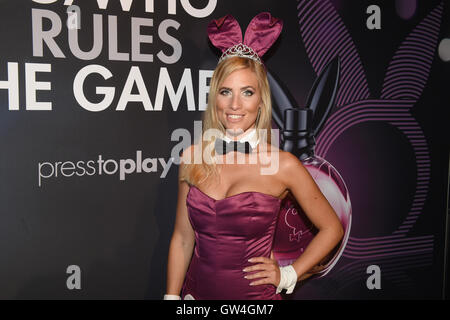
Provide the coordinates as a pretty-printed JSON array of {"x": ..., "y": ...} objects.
[{"x": 226, "y": 211}]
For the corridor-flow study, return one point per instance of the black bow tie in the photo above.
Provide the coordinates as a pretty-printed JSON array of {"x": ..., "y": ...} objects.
[{"x": 223, "y": 147}]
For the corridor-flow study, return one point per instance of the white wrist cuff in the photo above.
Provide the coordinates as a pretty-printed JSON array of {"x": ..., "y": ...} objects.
[
  {"x": 288, "y": 279},
  {"x": 171, "y": 297}
]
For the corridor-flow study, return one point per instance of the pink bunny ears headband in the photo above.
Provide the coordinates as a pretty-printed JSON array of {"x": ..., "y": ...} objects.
[{"x": 226, "y": 35}]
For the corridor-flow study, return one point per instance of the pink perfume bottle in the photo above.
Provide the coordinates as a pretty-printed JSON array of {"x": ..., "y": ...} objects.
[{"x": 299, "y": 127}]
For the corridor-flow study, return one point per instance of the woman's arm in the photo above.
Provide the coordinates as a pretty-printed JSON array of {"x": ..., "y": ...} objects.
[
  {"x": 317, "y": 208},
  {"x": 294, "y": 176},
  {"x": 181, "y": 244}
]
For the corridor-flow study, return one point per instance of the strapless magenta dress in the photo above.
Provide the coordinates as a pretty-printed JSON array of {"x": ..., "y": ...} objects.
[{"x": 228, "y": 232}]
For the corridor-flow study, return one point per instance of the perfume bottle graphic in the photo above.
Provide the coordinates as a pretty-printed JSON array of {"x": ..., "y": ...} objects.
[{"x": 298, "y": 127}]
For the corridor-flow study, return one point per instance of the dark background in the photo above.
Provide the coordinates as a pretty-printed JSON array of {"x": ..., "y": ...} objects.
[{"x": 118, "y": 232}]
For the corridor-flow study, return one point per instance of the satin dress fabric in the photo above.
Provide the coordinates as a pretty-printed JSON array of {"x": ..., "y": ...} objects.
[{"x": 228, "y": 232}]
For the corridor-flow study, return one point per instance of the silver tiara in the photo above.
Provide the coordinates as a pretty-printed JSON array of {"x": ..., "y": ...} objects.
[{"x": 240, "y": 50}]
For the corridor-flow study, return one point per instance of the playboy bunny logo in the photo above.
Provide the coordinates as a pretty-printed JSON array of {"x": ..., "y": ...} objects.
[
  {"x": 300, "y": 227},
  {"x": 325, "y": 37},
  {"x": 379, "y": 187},
  {"x": 403, "y": 84}
]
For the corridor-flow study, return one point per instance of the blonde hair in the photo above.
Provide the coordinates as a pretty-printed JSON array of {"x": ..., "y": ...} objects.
[{"x": 196, "y": 173}]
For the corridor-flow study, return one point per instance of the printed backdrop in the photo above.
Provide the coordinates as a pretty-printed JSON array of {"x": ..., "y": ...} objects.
[{"x": 91, "y": 92}]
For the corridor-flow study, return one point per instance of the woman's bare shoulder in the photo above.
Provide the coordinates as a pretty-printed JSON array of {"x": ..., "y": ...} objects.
[
  {"x": 286, "y": 158},
  {"x": 289, "y": 163},
  {"x": 289, "y": 158}
]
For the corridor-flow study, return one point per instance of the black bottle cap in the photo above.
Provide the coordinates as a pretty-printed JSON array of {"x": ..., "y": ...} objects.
[
  {"x": 297, "y": 131},
  {"x": 297, "y": 120}
]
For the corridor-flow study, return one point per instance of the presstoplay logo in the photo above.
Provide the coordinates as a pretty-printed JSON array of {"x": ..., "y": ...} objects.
[{"x": 50, "y": 171}]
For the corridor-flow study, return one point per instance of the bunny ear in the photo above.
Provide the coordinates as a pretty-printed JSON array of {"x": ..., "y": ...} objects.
[
  {"x": 224, "y": 32},
  {"x": 262, "y": 32}
]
